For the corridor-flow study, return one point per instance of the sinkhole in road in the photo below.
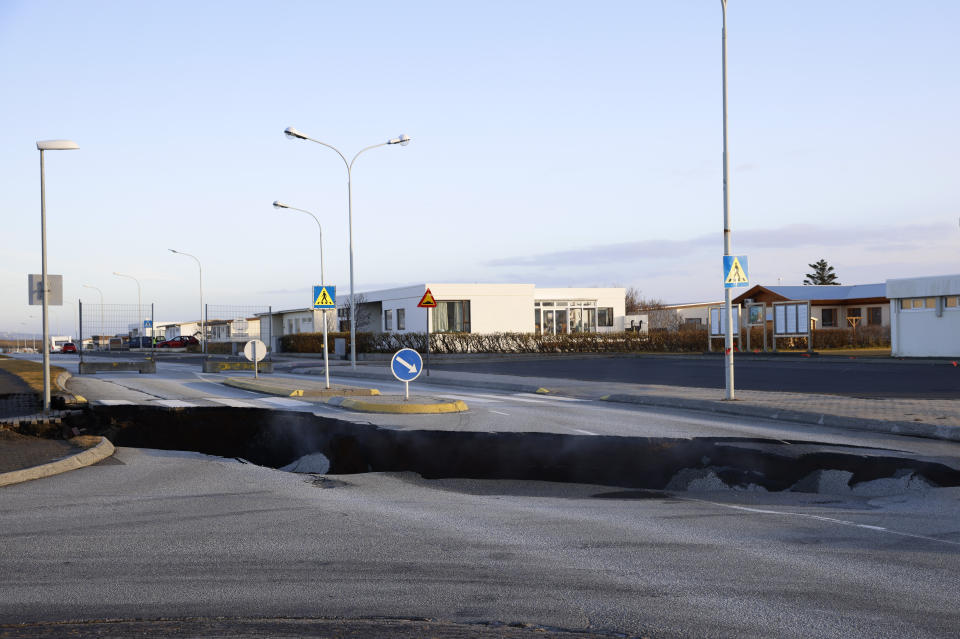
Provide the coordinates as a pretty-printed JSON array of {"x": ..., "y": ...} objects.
[{"x": 276, "y": 438}]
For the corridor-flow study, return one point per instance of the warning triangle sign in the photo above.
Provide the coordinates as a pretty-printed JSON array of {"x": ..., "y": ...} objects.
[
  {"x": 736, "y": 274},
  {"x": 427, "y": 301},
  {"x": 323, "y": 299}
]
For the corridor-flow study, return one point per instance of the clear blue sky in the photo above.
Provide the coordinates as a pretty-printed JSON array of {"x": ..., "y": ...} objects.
[{"x": 558, "y": 143}]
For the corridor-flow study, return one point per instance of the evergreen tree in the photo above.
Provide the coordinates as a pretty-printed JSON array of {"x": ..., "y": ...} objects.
[{"x": 822, "y": 274}]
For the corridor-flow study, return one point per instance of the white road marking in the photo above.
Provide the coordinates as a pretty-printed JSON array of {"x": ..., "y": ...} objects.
[
  {"x": 175, "y": 403},
  {"x": 499, "y": 413},
  {"x": 585, "y": 432},
  {"x": 555, "y": 398},
  {"x": 469, "y": 398},
  {"x": 841, "y": 522},
  {"x": 282, "y": 401},
  {"x": 113, "y": 402},
  {"x": 235, "y": 403}
]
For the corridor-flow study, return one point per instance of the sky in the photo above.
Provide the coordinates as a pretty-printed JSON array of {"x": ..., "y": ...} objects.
[{"x": 553, "y": 143}]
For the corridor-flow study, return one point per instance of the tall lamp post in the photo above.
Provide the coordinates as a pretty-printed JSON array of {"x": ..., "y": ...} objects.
[
  {"x": 402, "y": 140},
  {"x": 203, "y": 323},
  {"x": 323, "y": 283},
  {"x": 728, "y": 306},
  {"x": 101, "y": 312},
  {"x": 139, "y": 309},
  {"x": 47, "y": 145}
]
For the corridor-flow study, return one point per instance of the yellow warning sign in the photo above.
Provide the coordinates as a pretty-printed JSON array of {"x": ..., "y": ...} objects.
[
  {"x": 736, "y": 274},
  {"x": 324, "y": 299},
  {"x": 427, "y": 301}
]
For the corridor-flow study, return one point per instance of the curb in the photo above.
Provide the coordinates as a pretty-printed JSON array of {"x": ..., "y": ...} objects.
[
  {"x": 457, "y": 406},
  {"x": 439, "y": 381},
  {"x": 911, "y": 429},
  {"x": 62, "y": 380},
  {"x": 282, "y": 391},
  {"x": 91, "y": 456}
]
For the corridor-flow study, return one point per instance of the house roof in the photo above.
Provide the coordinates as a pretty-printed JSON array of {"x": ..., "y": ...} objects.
[{"x": 816, "y": 293}]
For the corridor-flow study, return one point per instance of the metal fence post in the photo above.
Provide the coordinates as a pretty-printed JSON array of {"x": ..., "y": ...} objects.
[{"x": 80, "y": 336}]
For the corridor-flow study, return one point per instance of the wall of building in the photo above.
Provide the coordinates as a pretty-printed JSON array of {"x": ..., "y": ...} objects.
[{"x": 925, "y": 332}]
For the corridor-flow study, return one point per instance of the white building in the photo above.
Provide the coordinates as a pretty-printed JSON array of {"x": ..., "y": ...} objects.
[
  {"x": 471, "y": 308},
  {"x": 925, "y": 316}
]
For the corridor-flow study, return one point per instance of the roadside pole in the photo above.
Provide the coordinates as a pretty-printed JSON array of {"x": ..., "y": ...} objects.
[{"x": 427, "y": 302}]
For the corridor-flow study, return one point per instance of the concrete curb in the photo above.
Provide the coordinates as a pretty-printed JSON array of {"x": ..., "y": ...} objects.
[
  {"x": 437, "y": 381},
  {"x": 912, "y": 429},
  {"x": 457, "y": 406},
  {"x": 99, "y": 452},
  {"x": 62, "y": 380},
  {"x": 268, "y": 388}
]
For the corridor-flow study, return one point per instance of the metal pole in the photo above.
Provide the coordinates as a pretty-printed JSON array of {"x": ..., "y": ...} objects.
[
  {"x": 323, "y": 314},
  {"x": 43, "y": 276},
  {"x": 728, "y": 308},
  {"x": 353, "y": 304},
  {"x": 428, "y": 341},
  {"x": 80, "y": 332}
]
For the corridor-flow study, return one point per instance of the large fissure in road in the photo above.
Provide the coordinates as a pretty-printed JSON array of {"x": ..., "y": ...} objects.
[{"x": 276, "y": 439}]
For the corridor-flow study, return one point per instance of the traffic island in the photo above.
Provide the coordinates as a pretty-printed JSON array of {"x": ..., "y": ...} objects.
[
  {"x": 397, "y": 404},
  {"x": 285, "y": 387}
]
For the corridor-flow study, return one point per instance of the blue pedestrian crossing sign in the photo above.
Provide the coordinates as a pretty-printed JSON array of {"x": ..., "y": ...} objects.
[
  {"x": 735, "y": 271},
  {"x": 406, "y": 364},
  {"x": 324, "y": 297}
]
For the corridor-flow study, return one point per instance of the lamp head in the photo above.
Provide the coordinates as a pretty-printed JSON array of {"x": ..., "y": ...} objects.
[
  {"x": 403, "y": 140},
  {"x": 279, "y": 205},
  {"x": 171, "y": 250},
  {"x": 291, "y": 132},
  {"x": 57, "y": 145}
]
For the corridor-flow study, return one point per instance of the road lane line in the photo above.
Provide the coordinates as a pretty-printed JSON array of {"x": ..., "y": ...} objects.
[
  {"x": 283, "y": 401},
  {"x": 499, "y": 413},
  {"x": 112, "y": 402},
  {"x": 585, "y": 432},
  {"x": 235, "y": 403},
  {"x": 175, "y": 403},
  {"x": 555, "y": 398}
]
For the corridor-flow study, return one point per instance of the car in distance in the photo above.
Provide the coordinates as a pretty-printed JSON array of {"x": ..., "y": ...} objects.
[
  {"x": 180, "y": 342},
  {"x": 69, "y": 347}
]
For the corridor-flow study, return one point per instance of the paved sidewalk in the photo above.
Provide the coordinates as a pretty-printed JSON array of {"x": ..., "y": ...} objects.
[{"x": 933, "y": 418}]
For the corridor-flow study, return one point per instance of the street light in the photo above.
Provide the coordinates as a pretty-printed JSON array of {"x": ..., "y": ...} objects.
[
  {"x": 47, "y": 145},
  {"x": 402, "y": 140},
  {"x": 101, "y": 313},
  {"x": 203, "y": 324},
  {"x": 728, "y": 306},
  {"x": 139, "y": 310},
  {"x": 326, "y": 362}
]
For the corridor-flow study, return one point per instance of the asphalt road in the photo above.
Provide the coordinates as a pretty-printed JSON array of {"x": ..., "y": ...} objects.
[
  {"x": 835, "y": 376},
  {"x": 174, "y": 535}
]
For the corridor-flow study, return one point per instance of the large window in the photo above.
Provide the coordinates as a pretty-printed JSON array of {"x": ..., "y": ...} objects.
[
  {"x": 451, "y": 316},
  {"x": 401, "y": 319},
  {"x": 605, "y": 316},
  {"x": 918, "y": 303},
  {"x": 388, "y": 320},
  {"x": 565, "y": 316},
  {"x": 875, "y": 316}
]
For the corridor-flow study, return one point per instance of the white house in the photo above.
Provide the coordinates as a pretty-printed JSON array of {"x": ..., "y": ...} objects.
[
  {"x": 925, "y": 316},
  {"x": 470, "y": 308}
]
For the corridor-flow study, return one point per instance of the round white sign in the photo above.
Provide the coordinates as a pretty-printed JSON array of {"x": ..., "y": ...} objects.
[{"x": 255, "y": 347}]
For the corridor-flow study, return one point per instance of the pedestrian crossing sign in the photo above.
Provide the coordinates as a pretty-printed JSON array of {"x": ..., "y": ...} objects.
[
  {"x": 735, "y": 271},
  {"x": 324, "y": 297}
]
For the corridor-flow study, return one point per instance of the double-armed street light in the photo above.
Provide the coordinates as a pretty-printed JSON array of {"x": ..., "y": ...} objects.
[
  {"x": 203, "y": 323},
  {"x": 402, "y": 140},
  {"x": 47, "y": 145},
  {"x": 323, "y": 283}
]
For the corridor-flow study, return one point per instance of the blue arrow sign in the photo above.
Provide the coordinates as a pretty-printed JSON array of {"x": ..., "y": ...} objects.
[{"x": 406, "y": 364}]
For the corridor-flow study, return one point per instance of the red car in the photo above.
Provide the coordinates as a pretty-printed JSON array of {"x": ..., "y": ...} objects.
[
  {"x": 69, "y": 347},
  {"x": 179, "y": 342}
]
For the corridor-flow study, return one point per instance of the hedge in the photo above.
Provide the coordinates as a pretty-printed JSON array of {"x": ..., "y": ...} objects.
[{"x": 683, "y": 341}]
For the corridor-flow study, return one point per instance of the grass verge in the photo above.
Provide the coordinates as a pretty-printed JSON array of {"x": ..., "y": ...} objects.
[{"x": 30, "y": 372}]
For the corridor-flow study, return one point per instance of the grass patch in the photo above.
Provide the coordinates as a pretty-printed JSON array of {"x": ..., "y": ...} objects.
[{"x": 30, "y": 372}]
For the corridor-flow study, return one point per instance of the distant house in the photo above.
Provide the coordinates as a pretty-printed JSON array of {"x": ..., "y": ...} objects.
[
  {"x": 679, "y": 316},
  {"x": 830, "y": 306}
]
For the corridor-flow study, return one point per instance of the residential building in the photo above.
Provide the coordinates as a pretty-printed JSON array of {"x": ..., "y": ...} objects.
[{"x": 925, "y": 316}]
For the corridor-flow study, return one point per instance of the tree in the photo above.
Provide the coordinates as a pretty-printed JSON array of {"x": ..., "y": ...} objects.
[
  {"x": 632, "y": 300},
  {"x": 822, "y": 274}
]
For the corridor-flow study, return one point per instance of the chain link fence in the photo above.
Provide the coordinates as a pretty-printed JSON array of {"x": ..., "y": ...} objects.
[
  {"x": 115, "y": 327},
  {"x": 230, "y": 326}
]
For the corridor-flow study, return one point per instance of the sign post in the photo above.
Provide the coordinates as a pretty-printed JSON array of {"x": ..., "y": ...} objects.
[
  {"x": 734, "y": 266},
  {"x": 406, "y": 365},
  {"x": 428, "y": 302},
  {"x": 325, "y": 297},
  {"x": 255, "y": 351}
]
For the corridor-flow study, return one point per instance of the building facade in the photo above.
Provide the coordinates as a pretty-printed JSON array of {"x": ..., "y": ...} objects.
[{"x": 925, "y": 316}]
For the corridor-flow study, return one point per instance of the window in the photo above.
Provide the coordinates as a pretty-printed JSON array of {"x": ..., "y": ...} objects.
[
  {"x": 875, "y": 316},
  {"x": 605, "y": 316},
  {"x": 918, "y": 303},
  {"x": 952, "y": 302},
  {"x": 692, "y": 322},
  {"x": 452, "y": 316},
  {"x": 828, "y": 317},
  {"x": 401, "y": 319},
  {"x": 388, "y": 320}
]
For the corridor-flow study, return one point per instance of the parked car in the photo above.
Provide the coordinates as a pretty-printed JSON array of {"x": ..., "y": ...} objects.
[
  {"x": 141, "y": 342},
  {"x": 69, "y": 347},
  {"x": 179, "y": 342}
]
